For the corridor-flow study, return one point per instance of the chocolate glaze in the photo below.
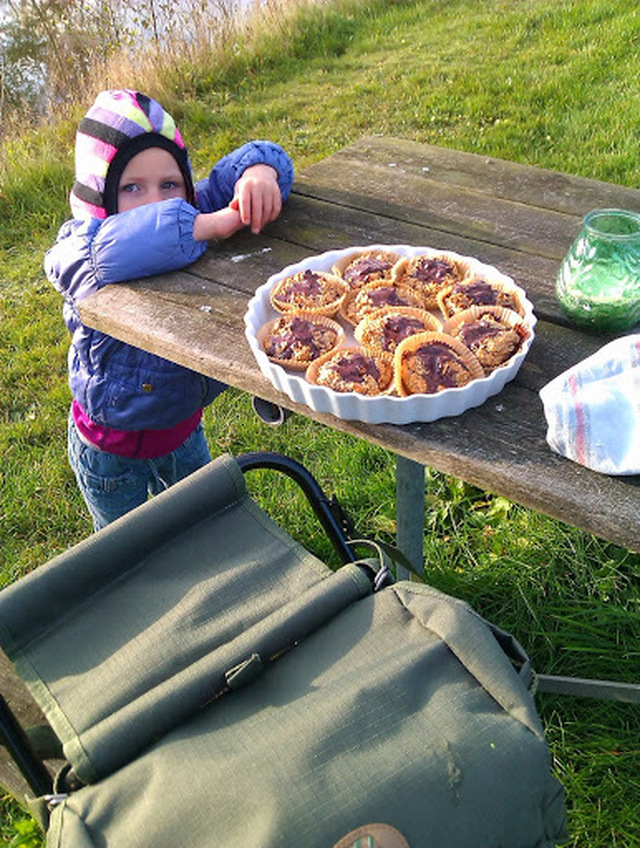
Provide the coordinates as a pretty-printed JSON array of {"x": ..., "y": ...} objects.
[
  {"x": 435, "y": 366},
  {"x": 476, "y": 332},
  {"x": 399, "y": 327},
  {"x": 354, "y": 368},
  {"x": 433, "y": 270},
  {"x": 364, "y": 268},
  {"x": 299, "y": 333},
  {"x": 478, "y": 292},
  {"x": 309, "y": 283},
  {"x": 386, "y": 296}
]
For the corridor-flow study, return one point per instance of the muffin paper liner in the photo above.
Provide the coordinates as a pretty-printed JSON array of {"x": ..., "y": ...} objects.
[
  {"x": 404, "y": 274},
  {"x": 354, "y": 254},
  {"x": 371, "y": 336},
  {"x": 384, "y": 359},
  {"x": 319, "y": 320},
  {"x": 354, "y": 305},
  {"x": 499, "y": 284},
  {"x": 329, "y": 308},
  {"x": 413, "y": 343},
  {"x": 506, "y": 317}
]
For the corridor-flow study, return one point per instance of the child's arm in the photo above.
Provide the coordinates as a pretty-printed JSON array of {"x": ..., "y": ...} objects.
[
  {"x": 257, "y": 200},
  {"x": 234, "y": 174},
  {"x": 167, "y": 236},
  {"x": 152, "y": 239}
]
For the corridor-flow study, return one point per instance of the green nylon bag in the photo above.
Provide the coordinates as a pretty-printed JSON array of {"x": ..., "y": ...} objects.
[{"x": 214, "y": 685}]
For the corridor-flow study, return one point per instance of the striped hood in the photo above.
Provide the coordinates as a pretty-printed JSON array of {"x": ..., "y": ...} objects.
[{"x": 119, "y": 125}]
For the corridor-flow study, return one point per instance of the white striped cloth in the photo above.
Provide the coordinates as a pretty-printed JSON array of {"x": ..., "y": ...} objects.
[{"x": 593, "y": 409}]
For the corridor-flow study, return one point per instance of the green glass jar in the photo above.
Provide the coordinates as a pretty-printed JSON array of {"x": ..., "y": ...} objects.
[{"x": 598, "y": 284}]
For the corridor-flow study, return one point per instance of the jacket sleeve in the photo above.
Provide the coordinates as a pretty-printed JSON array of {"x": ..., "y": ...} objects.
[
  {"x": 216, "y": 191},
  {"x": 152, "y": 239}
]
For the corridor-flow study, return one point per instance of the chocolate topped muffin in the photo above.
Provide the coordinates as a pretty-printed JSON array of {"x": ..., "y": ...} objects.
[
  {"x": 429, "y": 275},
  {"x": 478, "y": 292},
  {"x": 359, "y": 269},
  {"x": 296, "y": 340},
  {"x": 431, "y": 362},
  {"x": 376, "y": 296},
  {"x": 493, "y": 334},
  {"x": 384, "y": 329},
  {"x": 311, "y": 291},
  {"x": 353, "y": 369}
]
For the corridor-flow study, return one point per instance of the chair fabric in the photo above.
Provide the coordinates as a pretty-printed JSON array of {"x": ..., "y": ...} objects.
[
  {"x": 213, "y": 683},
  {"x": 131, "y": 631}
]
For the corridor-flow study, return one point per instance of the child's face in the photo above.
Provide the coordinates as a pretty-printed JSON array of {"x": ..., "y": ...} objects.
[{"x": 150, "y": 176}]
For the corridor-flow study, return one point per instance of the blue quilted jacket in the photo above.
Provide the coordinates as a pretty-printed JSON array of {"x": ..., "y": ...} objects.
[{"x": 119, "y": 385}]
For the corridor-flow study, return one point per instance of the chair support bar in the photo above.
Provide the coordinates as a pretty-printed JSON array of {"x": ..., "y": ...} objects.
[
  {"x": 326, "y": 511},
  {"x": 579, "y": 687}
]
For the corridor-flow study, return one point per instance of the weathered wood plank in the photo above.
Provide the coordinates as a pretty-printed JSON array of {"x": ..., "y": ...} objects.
[
  {"x": 423, "y": 201},
  {"x": 530, "y": 185},
  {"x": 308, "y": 226},
  {"x": 194, "y": 322}
]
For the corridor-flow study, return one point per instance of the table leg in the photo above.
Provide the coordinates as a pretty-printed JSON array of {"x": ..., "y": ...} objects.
[
  {"x": 409, "y": 513},
  {"x": 410, "y": 500}
]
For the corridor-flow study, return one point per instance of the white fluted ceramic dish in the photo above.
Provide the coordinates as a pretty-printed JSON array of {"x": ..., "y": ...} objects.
[{"x": 378, "y": 410}]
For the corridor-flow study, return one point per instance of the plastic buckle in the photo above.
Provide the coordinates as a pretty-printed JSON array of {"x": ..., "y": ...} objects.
[{"x": 55, "y": 798}]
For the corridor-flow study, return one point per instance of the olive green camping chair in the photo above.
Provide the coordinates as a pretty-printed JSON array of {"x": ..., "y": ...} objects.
[{"x": 209, "y": 683}]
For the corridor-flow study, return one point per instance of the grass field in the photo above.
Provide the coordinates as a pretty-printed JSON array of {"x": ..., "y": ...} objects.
[{"x": 546, "y": 83}]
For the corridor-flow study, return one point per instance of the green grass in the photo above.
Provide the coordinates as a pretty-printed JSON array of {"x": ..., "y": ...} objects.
[{"x": 542, "y": 82}]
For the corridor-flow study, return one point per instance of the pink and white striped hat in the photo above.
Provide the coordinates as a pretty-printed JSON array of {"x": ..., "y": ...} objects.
[{"x": 120, "y": 124}]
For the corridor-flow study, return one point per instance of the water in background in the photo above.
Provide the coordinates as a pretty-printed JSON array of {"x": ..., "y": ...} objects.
[
  {"x": 36, "y": 83},
  {"x": 146, "y": 21}
]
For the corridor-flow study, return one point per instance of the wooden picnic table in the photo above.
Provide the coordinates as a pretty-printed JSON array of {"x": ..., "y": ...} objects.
[
  {"x": 519, "y": 218},
  {"x": 379, "y": 190}
]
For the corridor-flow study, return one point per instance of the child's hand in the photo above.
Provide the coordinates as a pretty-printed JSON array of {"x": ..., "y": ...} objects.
[
  {"x": 257, "y": 196},
  {"x": 217, "y": 225}
]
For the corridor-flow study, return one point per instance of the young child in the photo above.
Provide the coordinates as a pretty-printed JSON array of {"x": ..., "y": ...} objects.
[{"x": 135, "y": 420}]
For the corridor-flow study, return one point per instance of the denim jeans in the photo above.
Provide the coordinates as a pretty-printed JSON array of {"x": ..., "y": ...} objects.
[{"x": 113, "y": 485}]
